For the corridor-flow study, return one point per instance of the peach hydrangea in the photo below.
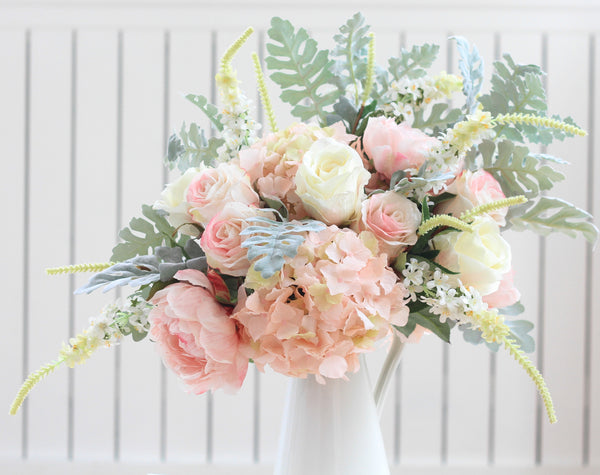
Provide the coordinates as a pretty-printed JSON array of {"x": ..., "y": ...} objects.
[{"x": 332, "y": 301}]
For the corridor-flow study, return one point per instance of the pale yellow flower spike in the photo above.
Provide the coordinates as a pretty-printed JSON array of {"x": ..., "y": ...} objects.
[
  {"x": 225, "y": 69},
  {"x": 534, "y": 374},
  {"x": 264, "y": 94},
  {"x": 88, "y": 267},
  {"x": 370, "y": 70},
  {"x": 492, "y": 206},
  {"x": 443, "y": 220},
  {"x": 537, "y": 120},
  {"x": 30, "y": 382}
]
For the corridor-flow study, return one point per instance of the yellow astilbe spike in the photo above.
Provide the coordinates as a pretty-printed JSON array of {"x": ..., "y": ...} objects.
[
  {"x": 264, "y": 94},
  {"x": 537, "y": 120},
  {"x": 30, "y": 382},
  {"x": 370, "y": 70},
  {"x": 534, "y": 374},
  {"x": 232, "y": 50},
  {"x": 76, "y": 268},
  {"x": 443, "y": 220},
  {"x": 492, "y": 206}
]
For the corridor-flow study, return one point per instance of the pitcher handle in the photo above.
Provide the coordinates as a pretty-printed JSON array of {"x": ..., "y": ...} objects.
[{"x": 387, "y": 372}]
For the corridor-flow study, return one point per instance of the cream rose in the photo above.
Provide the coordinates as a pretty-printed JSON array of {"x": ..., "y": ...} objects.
[
  {"x": 330, "y": 181},
  {"x": 482, "y": 257}
]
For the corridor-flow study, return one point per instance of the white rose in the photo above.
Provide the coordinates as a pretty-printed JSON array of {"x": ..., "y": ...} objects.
[
  {"x": 330, "y": 181},
  {"x": 173, "y": 198},
  {"x": 482, "y": 257}
]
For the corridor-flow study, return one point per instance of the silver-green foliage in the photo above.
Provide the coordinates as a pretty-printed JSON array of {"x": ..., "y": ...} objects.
[
  {"x": 191, "y": 148},
  {"x": 519, "y": 332},
  {"x": 518, "y": 89},
  {"x": 556, "y": 215},
  {"x": 211, "y": 111},
  {"x": 271, "y": 241},
  {"x": 301, "y": 70},
  {"x": 137, "y": 271},
  {"x": 470, "y": 64},
  {"x": 518, "y": 171},
  {"x": 144, "y": 234},
  {"x": 413, "y": 64},
  {"x": 440, "y": 117}
]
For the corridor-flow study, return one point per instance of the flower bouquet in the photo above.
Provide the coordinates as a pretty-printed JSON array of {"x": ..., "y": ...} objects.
[{"x": 380, "y": 214}]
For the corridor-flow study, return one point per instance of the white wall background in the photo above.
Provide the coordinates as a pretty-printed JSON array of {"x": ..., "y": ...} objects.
[{"x": 89, "y": 91}]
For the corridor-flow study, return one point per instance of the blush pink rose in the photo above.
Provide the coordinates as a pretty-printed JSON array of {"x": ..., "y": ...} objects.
[
  {"x": 474, "y": 189},
  {"x": 195, "y": 335},
  {"x": 213, "y": 188},
  {"x": 221, "y": 240},
  {"x": 394, "y": 146},
  {"x": 507, "y": 294},
  {"x": 393, "y": 219}
]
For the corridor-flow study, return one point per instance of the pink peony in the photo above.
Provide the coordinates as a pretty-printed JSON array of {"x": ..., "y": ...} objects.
[
  {"x": 211, "y": 189},
  {"x": 330, "y": 303},
  {"x": 474, "y": 189},
  {"x": 221, "y": 240},
  {"x": 507, "y": 294},
  {"x": 195, "y": 335},
  {"x": 393, "y": 219},
  {"x": 394, "y": 146}
]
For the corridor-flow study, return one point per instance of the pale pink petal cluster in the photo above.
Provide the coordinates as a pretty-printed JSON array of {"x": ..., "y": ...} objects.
[
  {"x": 394, "y": 147},
  {"x": 272, "y": 162},
  {"x": 330, "y": 303},
  {"x": 393, "y": 219},
  {"x": 196, "y": 336},
  {"x": 507, "y": 294}
]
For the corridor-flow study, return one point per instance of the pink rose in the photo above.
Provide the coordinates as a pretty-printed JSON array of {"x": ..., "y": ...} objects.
[
  {"x": 395, "y": 147},
  {"x": 210, "y": 190},
  {"x": 474, "y": 189},
  {"x": 393, "y": 219},
  {"x": 507, "y": 294},
  {"x": 195, "y": 335},
  {"x": 221, "y": 240}
]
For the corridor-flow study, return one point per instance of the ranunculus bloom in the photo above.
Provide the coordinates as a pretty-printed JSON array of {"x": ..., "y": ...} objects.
[
  {"x": 507, "y": 294},
  {"x": 213, "y": 188},
  {"x": 474, "y": 189},
  {"x": 327, "y": 305},
  {"x": 221, "y": 240},
  {"x": 482, "y": 256},
  {"x": 330, "y": 181},
  {"x": 195, "y": 335},
  {"x": 394, "y": 146},
  {"x": 393, "y": 219}
]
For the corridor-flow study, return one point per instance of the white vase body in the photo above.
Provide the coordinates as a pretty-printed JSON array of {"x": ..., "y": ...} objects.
[{"x": 331, "y": 429}]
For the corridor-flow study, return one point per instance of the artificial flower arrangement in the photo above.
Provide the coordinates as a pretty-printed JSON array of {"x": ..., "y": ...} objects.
[{"x": 380, "y": 213}]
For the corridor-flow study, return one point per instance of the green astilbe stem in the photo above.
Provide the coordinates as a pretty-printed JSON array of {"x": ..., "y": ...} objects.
[
  {"x": 264, "y": 94},
  {"x": 31, "y": 381},
  {"x": 76, "y": 268},
  {"x": 534, "y": 374},
  {"x": 531, "y": 119},
  {"x": 232, "y": 50},
  {"x": 443, "y": 220},
  {"x": 492, "y": 206},
  {"x": 370, "y": 70}
]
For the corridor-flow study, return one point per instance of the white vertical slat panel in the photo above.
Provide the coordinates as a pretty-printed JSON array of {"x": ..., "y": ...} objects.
[
  {"x": 95, "y": 204},
  {"x": 565, "y": 257},
  {"x": 12, "y": 130},
  {"x": 421, "y": 431},
  {"x": 233, "y": 424},
  {"x": 594, "y": 140},
  {"x": 469, "y": 378},
  {"x": 515, "y": 400},
  {"x": 190, "y": 72},
  {"x": 49, "y": 235},
  {"x": 142, "y": 177}
]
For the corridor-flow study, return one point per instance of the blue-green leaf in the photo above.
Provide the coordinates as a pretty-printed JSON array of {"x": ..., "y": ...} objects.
[
  {"x": 140, "y": 270},
  {"x": 211, "y": 111},
  {"x": 437, "y": 120},
  {"x": 191, "y": 148},
  {"x": 470, "y": 64},
  {"x": 413, "y": 64}
]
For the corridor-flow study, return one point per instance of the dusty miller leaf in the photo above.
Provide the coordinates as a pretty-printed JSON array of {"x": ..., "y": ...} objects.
[
  {"x": 413, "y": 64},
  {"x": 211, "y": 111},
  {"x": 470, "y": 64},
  {"x": 271, "y": 241},
  {"x": 436, "y": 121},
  {"x": 191, "y": 148}
]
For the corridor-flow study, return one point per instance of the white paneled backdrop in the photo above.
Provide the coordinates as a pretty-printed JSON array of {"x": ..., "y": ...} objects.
[{"x": 89, "y": 92}]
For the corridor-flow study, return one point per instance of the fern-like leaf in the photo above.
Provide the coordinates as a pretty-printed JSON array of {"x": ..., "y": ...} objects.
[
  {"x": 301, "y": 70},
  {"x": 271, "y": 241},
  {"x": 144, "y": 234},
  {"x": 556, "y": 215},
  {"x": 211, "y": 111},
  {"x": 470, "y": 64},
  {"x": 517, "y": 171},
  {"x": 191, "y": 148},
  {"x": 437, "y": 120},
  {"x": 413, "y": 64}
]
